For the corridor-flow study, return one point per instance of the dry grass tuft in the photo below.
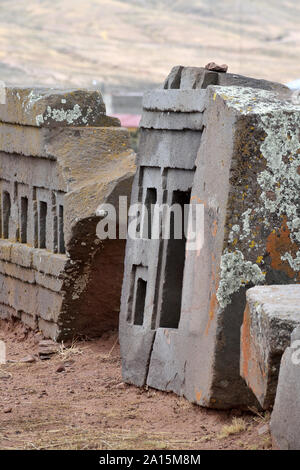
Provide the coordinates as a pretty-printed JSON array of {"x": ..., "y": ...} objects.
[
  {"x": 66, "y": 353},
  {"x": 238, "y": 425}
]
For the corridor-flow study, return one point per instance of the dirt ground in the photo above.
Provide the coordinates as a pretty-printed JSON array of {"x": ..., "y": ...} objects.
[{"x": 87, "y": 406}]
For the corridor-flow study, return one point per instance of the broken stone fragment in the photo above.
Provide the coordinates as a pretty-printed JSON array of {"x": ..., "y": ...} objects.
[
  {"x": 272, "y": 313},
  {"x": 47, "y": 349},
  {"x": 27, "y": 359},
  {"x": 216, "y": 68},
  {"x": 50, "y": 107},
  {"x": 7, "y": 409}
]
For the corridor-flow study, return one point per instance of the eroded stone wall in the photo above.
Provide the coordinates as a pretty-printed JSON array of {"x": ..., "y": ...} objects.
[{"x": 61, "y": 157}]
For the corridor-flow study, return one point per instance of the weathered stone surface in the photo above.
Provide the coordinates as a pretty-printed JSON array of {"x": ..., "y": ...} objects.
[
  {"x": 216, "y": 68},
  {"x": 30, "y": 321},
  {"x": 175, "y": 333},
  {"x": 21, "y": 255},
  {"x": 199, "y": 77},
  {"x": 171, "y": 121},
  {"x": 286, "y": 413},
  {"x": 271, "y": 314},
  {"x": 55, "y": 273},
  {"x": 166, "y": 168},
  {"x": 168, "y": 149},
  {"x": 248, "y": 239},
  {"x": 246, "y": 171},
  {"x": 44, "y": 107},
  {"x": 173, "y": 79},
  {"x": 47, "y": 348},
  {"x": 176, "y": 101}
]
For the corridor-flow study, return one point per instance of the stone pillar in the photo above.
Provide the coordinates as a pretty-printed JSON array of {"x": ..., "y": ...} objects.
[{"x": 168, "y": 291}]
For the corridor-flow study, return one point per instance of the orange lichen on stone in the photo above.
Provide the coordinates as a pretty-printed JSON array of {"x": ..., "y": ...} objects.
[
  {"x": 213, "y": 296},
  {"x": 279, "y": 243},
  {"x": 214, "y": 228},
  {"x": 212, "y": 307}
]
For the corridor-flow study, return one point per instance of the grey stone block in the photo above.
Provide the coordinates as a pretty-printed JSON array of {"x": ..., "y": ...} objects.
[
  {"x": 18, "y": 272},
  {"x": 271, "y": 314},
  {"x": 29, "y": 320},
  {"x": 162, "y": 148},
  {"x": 176, "y": 101},
  {"x": 241, "y": 236},
  {"x": 21, "y": 255},
  {"x": 173, "y": 79},
  {"x": 49, "y": 263},
  {"x": 44, "y": 107},
  {"x": 186, "y": 78},
  {"x": 49, "y": 329},
  {"x": 243, "y": 189},
  {"x": 171, "y": 121},
  {"x": 286, "y": 413},
  {"x": 61, "y": 157},
  {"x": 5, "y": 250},
  {"x": 50, "y": 282}
]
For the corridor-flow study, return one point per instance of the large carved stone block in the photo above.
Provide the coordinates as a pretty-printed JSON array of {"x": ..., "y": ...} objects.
[
  {"x": 61, "y": 157},
  {"x": 247, "y": 178},
  {"x": 181, "y": 310}
]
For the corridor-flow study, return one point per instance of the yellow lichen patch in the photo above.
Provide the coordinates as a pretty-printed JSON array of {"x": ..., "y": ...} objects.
[{"x": 259, "y": 259}]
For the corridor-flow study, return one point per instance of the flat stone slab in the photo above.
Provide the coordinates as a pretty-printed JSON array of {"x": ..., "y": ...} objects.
[
  {"x": 44, "y": 107},
  {"x": 182, "y": 101},
  {"x": 271, "y": 314},
  {"x": 171, "y": 120},
  {"x": 43, "y": 142},
  {"x": 286, "y": 413}
]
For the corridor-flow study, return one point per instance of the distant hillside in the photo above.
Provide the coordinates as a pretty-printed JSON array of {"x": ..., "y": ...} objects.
[{"x": 134, "y": 43}]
